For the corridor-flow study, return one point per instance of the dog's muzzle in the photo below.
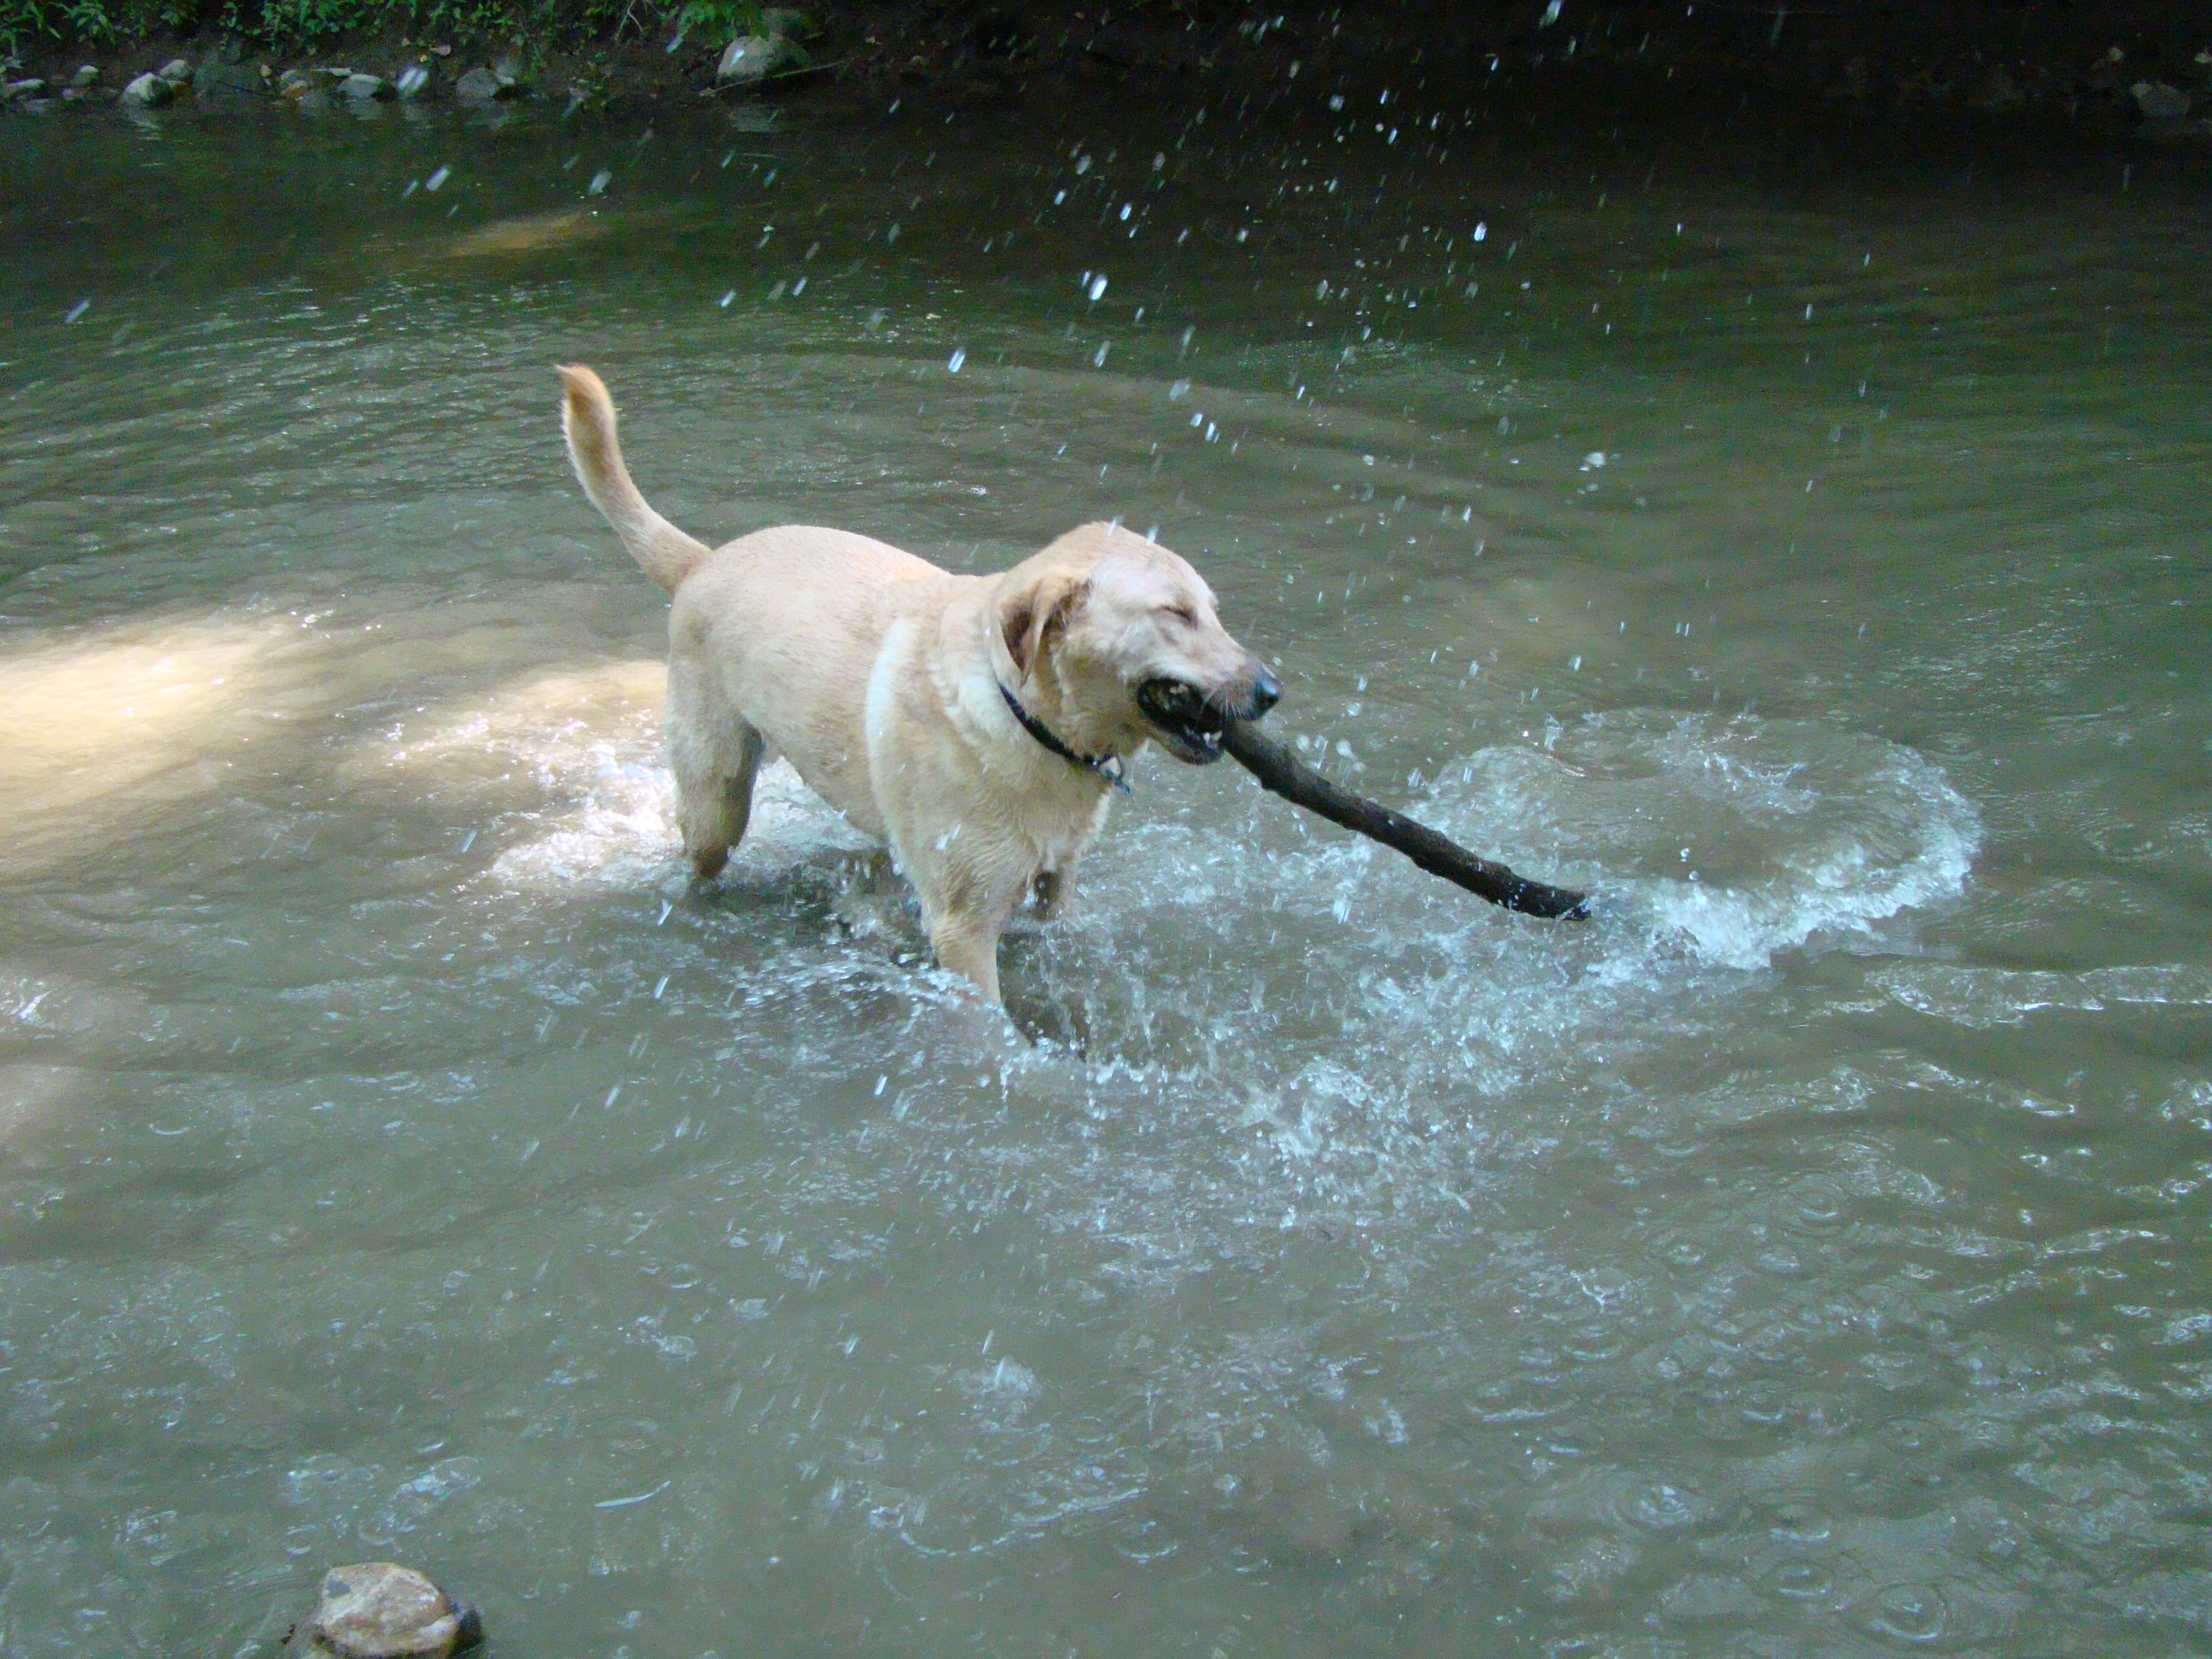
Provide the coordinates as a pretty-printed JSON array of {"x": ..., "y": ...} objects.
[{"x": 1189, "y": 722}]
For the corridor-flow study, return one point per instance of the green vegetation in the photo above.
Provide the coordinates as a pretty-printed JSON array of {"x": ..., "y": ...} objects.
[{"x": 33, "y": 25}]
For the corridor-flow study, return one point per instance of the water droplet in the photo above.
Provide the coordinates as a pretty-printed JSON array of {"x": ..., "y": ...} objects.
[
  {"x": 436, "y": 182},
  {"x": 1097, "y": 289},
  {"x": 953, "y": 363}
]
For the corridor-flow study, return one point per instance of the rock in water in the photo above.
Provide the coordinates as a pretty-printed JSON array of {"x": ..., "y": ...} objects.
[
  {"x": 149, "y": 90},
  {"x": 480, "y": 86},
  {"x": 751, "y": 58},
  {"x": 2160, "y": 103},
  {"x": 177, "y": 71},
  {"x": 364, "y": 87},
  {"x": 380, "y": 1610}
]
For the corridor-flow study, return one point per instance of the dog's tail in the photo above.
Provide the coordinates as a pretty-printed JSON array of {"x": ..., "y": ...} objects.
[{"x": 587, "y": 421}]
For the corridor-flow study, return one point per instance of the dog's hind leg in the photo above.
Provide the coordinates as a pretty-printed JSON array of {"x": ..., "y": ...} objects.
[
  {"x": 714, "y": 799},
  {"x": 715, "y": 757}
]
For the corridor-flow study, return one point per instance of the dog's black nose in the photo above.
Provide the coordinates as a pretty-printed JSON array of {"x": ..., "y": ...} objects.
[{"x": 1265, "y": 694}]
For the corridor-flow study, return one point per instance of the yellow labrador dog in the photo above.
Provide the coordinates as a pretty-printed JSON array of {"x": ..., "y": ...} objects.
[{"x": 976, "y": 724}]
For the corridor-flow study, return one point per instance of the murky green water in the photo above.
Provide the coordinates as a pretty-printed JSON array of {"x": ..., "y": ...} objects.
[{"x": 397, "y": 1158}]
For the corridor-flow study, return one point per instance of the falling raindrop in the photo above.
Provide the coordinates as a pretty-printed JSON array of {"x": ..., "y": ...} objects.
[
  {"x": 436, "y": 182},
  {"x": 1097, "y": 289},
  {"x": 600, "y": 180},
  {"x": 960, "y": 356}
]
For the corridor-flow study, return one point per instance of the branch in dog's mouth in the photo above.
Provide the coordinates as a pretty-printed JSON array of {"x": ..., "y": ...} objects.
[
  {"x": 1283, "y": 773},
  {"x": 1189, "y": 723}
]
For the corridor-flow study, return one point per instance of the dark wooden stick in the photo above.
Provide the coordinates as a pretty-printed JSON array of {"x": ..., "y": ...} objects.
[{"x": 1283, "y": 773}]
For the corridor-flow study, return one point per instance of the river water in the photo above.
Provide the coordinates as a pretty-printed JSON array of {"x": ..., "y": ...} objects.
[{"x": 1799, "y": 542}]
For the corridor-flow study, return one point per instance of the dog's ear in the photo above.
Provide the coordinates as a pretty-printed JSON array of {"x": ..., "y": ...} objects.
[{"x": 1036, "y": 616}]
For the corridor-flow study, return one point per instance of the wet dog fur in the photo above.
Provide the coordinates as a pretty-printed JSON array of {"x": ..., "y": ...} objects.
[{"x": 886, "y": 681}]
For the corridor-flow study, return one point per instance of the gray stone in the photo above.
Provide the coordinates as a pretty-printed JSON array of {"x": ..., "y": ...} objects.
[
  {"x": 87, "y": 77},
  {"x": 177, "y": 71},
  {"x": 148, "y": 91},
  {"x": 480, "y": 86},
  {"x": 380, "y": 1610},
  {"x": 303, "y": 89},
  {"x": 751, "y": 58},
  {"x": 364, "y": 88},
  {"x": 2160, "y": 103},
  {"x": 20, "y": 91}
]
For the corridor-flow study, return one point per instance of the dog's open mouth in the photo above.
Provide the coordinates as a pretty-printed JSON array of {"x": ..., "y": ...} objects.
[{"x": 1187, "y": 723}]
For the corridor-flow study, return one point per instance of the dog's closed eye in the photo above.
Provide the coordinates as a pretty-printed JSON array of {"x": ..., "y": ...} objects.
[{"x": 1184, "y": 614}]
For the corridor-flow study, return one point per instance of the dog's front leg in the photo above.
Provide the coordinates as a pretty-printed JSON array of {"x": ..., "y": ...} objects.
[
  {"x": 1049, "y": 893},
  {"x": 968, "y": 945},
  {"x": 968, "y": 891}
]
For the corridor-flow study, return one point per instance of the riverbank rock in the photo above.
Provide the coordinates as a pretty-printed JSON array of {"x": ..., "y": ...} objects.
[
  {"x": 2160, "y": 104},
  {"x": 148, "y": 91},
  {"x": 751, "y": 58},
  {"x": 380, "y": 1610},
  {"x": 177, "y": 71},
  {"x": 773, "y": 49},
  {"x": 481, "y": 87},
  {"x": 364, "y": 88},
  {"x": 16, "y": 92}
]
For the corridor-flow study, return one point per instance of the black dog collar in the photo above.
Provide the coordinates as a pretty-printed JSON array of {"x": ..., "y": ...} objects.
[{"x": 1108, "y": 766}]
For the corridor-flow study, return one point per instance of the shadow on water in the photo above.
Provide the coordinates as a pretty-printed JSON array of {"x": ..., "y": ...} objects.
[{"x": 399, "y": 1155}]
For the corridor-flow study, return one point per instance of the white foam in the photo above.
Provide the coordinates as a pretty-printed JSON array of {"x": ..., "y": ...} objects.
[
  {"x": 1741, "y": 837},
  {"x": 621, "y": 829}
]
